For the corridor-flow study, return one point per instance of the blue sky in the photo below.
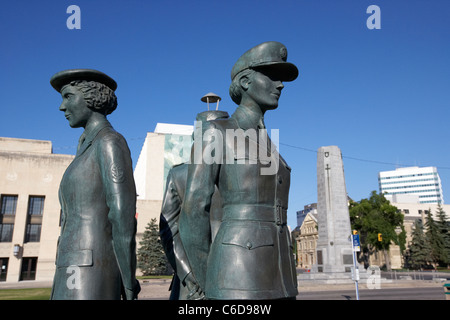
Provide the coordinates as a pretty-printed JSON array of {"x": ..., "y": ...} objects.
[{"x": 382, "y": 96}]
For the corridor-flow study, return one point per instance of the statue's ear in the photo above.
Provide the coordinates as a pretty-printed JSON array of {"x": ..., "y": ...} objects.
[{"x": 244, "y": 81}]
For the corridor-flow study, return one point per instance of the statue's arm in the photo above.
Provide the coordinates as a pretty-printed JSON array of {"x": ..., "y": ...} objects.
[
  {"x": 168, "y": 229},
  {"x": 168, "y": 225},
  {"x": 194, "y": 227},
  {"x": 119, "y": 187}
]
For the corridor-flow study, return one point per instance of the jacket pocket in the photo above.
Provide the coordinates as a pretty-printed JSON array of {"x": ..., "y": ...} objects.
[
  {"x": 247, "y": 256},
  {"x": 249, "y": 238},
  {"x": 81, "y": 258}
]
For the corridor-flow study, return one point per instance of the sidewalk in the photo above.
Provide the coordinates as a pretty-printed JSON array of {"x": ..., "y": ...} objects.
[
  {"x": 158, "y": 289},
  {"x": 25, "y": 284},
  {"x": 309, "y": 286}
]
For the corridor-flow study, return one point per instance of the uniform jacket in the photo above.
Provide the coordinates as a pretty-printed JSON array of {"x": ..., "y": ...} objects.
[
  {"x": 96, "y": 257},
  {"x": 169, "y": 228},
  {"x": 251, "y": 255}
]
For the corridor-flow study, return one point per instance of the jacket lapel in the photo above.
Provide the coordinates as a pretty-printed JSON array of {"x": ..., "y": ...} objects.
[
  {"x": 86, "y": 144},
  {"x": 90, "y": 137}
]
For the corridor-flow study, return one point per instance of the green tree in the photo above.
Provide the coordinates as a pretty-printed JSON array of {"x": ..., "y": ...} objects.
[
  {"x": 419, "y": 250},
  {"x": 373, "y": 216},
  {"x": 151, "y": 258},
  {"x": 443, "y": 228},
  {"x": 434, "y": 238}
]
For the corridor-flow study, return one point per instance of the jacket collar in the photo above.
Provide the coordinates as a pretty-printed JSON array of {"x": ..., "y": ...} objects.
[
  {"x": 248, "y": 119},
  {"x": 90, "y": 133}
]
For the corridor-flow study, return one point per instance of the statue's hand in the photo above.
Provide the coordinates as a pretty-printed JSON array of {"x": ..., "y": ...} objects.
[
  {"x": 195, "y": 292},
  {"x": 132, "y": 294}
]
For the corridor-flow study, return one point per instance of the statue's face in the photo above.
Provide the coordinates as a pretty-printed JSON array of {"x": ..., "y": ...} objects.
[
  {"x": 75, "y": 107},
  {"x": 265, "y": 90}
]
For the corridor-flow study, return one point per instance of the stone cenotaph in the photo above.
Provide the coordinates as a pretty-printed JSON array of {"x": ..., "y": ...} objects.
[{"x": 334, "y": 246}]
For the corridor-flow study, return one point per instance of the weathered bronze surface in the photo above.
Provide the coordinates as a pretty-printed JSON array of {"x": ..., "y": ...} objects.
[
  {"x": 251, "y": 255},
  {"x": 96, "y": 257},
  {"x": 184, "y": 284}
]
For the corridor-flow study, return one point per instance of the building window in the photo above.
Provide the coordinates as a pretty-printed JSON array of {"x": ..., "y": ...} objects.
[
  {"x": 36, "y": 205},
  {"x": 9, "y": 204},
  {"x": 7, "y": 217},
  {"x": 3, "y": 268},
  {"x": 6, "y": 232},
  {"x": 34, "y": 219},
  {"x": 33, "y": 233},
  {"x": 28, "y": 271}
]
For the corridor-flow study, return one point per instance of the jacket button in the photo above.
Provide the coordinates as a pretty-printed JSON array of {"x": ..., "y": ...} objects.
[{"x": 249, "y": 245}]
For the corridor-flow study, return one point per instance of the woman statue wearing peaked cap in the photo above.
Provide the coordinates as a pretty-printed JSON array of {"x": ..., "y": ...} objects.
[
  {"x": 251, "y": 255},
  {"x": 96, "y": 257}
]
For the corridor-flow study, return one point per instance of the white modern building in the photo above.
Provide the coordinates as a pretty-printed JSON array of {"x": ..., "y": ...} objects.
[
  {"x": 168, "y": 145},
  {"x": 423, "y": 184}
]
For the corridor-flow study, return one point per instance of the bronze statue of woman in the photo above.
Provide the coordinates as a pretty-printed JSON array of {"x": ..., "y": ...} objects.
[
  {"x": 251, "y": 255},
  {"x": 96, "y": 257}
]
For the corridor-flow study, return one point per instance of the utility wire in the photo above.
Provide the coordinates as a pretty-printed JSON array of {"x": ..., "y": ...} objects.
[
  {"x": 359, "y": 159},
  {"x": 304, "y": 149}
]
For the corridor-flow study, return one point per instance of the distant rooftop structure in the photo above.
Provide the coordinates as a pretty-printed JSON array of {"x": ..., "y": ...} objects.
[
  {"x": 25, "y": 145},
  {"x": 403, "y": 198},
  {"x": 411, "y": 184},
  {"x": 309, "y": 208},
  {"x": 169, "y": 128},
  {"x": 211, "y": 97}
]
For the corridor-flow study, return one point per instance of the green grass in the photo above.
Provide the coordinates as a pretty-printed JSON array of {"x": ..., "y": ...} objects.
[
  {"x": 25, "y": 294},
  {"x": 44, "y": 293}
]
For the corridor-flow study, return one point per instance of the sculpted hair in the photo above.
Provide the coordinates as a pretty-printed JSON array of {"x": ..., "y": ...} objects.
[
  {"x": 97, "y": 95},
  {"x": 235, "y": 86}
]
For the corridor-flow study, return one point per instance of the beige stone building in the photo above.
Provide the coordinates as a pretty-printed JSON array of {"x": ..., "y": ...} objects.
[
  {"x": 306, "y": 240},
  {"x": 412, "y": 210},
  {"x": 30, "y": 212}
]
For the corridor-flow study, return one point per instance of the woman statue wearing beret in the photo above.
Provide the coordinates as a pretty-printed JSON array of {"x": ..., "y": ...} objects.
[{"x": 96, "y": 257}]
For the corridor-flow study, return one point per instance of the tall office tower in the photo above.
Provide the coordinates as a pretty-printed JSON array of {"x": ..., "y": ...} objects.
[{"x": 423, "y": 183}]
